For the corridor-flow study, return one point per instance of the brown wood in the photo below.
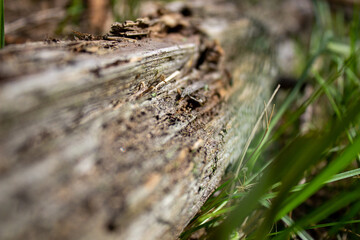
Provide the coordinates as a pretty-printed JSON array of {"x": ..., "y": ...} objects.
[{"x": 126, "y": 140}]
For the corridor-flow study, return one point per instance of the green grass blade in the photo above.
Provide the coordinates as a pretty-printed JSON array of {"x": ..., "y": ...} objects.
[
  {"x": 217, "y": 213},
  {"x": 2, "y": 23},
  {"x": 305, "y": 152},
  {"x": 272, "y": 175},
  {"x": 346, "y": 218},
  {"x": 332, "y": 101},
  {"x": 325, "y": 225},
  {"x": 337, "y": 177},
  {"x": 289, "y": 222},
  {"x": 294, "y": 93},
  {"x": 260, "y": 171},
  {"x": 325, "y": 210},
  {"x": 295, "y": 116},
  {"x": 327, "y": 91},
  {"x": 254, "y": 130},
  {"x": 339, "y": 48},
  {"x": 344, "y": 175},
  {"x": 352, "y": 76},
  {"x": 243, "y": 209},
  {"x": 219, "y": 199},
  {"x": 335, "y": 166},
  {"x": 186, "y": 234},
  {"x": 334, "y": 224}
]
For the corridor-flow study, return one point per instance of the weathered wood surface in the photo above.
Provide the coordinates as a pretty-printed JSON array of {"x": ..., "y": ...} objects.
[{"x": 97, "y": 142}]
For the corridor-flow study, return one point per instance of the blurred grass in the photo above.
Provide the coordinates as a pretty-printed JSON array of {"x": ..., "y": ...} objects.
[
  {"x": 277, "y": 193},
  {"x": 125, "y": 9},
  {"x": 2, "y": 23},
  {"x": 121, "y": 10},
  {"x": 74, "y": 12},
  {"x": 128, "y": 9}
]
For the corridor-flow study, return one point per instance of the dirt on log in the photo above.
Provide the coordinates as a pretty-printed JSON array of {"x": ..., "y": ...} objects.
[{"x": 125, "y": 136}]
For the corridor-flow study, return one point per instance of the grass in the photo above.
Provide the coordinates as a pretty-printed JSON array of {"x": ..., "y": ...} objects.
[
  {"x": 309, "y": 190},
  {"x": 129, "y": 9},
  {"x": 73, "y": 15},
  {"x": 121, "y": 10},
  {"x": 2, "y": 23}
]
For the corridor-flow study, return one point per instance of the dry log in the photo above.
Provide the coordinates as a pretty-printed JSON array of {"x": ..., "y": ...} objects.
[{"x": 126, "y": 140}]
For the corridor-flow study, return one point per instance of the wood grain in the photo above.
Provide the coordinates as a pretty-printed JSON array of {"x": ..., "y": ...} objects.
[{"x": 97, "y": 142}]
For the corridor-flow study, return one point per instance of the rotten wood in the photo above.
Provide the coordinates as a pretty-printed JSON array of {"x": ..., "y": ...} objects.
[{"x": 127, "y": 139}]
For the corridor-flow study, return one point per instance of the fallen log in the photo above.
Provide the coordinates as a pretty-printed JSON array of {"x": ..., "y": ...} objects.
[{"x": 126, "y": 138}]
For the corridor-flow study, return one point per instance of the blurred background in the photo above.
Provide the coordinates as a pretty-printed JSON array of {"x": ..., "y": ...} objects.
[{"x": 37, "y": 20}]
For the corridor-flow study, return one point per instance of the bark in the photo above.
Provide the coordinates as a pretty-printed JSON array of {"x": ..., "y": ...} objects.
[{"x": 126, "y": 140}]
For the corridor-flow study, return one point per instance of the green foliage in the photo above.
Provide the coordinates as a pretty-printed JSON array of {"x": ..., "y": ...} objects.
[
  {"x": 121, "y": 10},
  {"x": 73, "y": 15},
  {"x": 75, "y": 9},
  {"x": 125, "y": 9},
  {"x": 2, "y": 23},
  {"x": 268, "y": 201}
]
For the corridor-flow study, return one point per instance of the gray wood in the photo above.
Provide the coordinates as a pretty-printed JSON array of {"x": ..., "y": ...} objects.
[{"x": 97, "y": 142}]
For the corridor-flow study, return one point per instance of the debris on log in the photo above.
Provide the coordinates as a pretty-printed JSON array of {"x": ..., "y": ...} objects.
[{"x": 126, "y": 138}]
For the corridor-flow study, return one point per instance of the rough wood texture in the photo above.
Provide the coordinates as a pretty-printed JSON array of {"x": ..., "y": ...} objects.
[{"x": 97, "y": 142}]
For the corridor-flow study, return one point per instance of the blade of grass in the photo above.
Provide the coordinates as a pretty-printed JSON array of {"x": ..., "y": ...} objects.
[
  {"x": 352, "y": 76},
  {"x": 339, "y": 48},
  {"x": 335, "y": 107},
  {"x": 331, "y": 206},
  {"x": 335, "y": 166},
  {"x": 321, "y": 81},
  {"x": 324, "y": 225},
  {"x": 294, "y": 93},
  {"x": 250, "y": 202},
  {"x": 186, "y": 234},
  {"x": 252, "y": 134},
  {"x": 351, "y": 213},
  {"x": 289, "y": 222},
  {"x": 337, "y": 177},
  {"x": 344, "y": 175},
  {"x": 289, "y": 100},
  {"x": 280, "y": 168},
  {"x": 333, "y": 224},
  {"x": 319, "y": 49},
  {"x": 295, "y": 116},
  {"x": 254, "y": 156},
  {"x": 322, "y": 19},
  {"x": 217, "y": 213},
  {"x": 219, "y": 199},
  {"x": 306, "y": 152},
  {"x": 254, "y": 176}
]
